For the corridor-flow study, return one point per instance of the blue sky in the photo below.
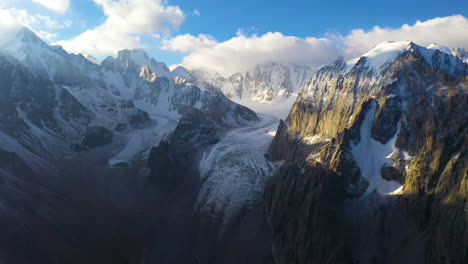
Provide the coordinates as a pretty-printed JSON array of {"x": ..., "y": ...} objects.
[
  {"x": 304, "y": 18},
  {"x": 242, "y": 27}
]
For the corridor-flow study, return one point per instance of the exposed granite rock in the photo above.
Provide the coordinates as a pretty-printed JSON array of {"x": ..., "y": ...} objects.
[
  {"x": 422, "y": 106},
  {"x": 301, "y": 203}
]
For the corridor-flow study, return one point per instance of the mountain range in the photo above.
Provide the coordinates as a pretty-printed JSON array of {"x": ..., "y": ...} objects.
[{"x": 126, "y": 161}]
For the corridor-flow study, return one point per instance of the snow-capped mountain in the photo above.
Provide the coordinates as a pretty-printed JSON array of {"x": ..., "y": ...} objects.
[
  {"x": 127, "y": 161},
  {"x": 270, "y": 87},
  {"x": 90, "y": 142},
  {"x": 375, "y": 147},
  {"x": 123, "y": 95}
]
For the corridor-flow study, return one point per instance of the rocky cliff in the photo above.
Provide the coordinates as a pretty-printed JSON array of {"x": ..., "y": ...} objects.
[{"x": 375, "y": 151}]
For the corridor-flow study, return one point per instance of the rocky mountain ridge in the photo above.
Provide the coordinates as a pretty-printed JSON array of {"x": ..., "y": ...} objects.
[
  {"x": 120, "y": 94},
  {"x": 357, "y": 132},
  {"x": 266, "y": 87},
  {"x": 80, "y": 170},
  {"x": 126, "y": 161}
]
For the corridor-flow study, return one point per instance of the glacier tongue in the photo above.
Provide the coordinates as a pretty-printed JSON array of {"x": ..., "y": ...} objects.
[
  {"x": 235, "y": 170},
  {"x": 371, "y": 155}
]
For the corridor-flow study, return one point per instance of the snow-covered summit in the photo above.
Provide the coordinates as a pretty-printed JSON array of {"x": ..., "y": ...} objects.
[
  {"x": 384, "y": 54},
  {"x": 137, "y": 58},
  {"x": 126, "y": 94},
  {"x": 26, "y": 43},
  {"x": 440, "y": 48},
  {"x": 181, "y": 72}
]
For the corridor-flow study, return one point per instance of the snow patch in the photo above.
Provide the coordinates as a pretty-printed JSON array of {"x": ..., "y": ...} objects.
[
  {"x": 382, "y": 54},
  {"x": 140, "y": 141},
  {"x": 371, "y": 155},
  {"x": 314, "y": 139}
]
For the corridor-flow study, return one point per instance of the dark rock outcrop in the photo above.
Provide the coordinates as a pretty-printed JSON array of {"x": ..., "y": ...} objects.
[{"x": 97, "y": 136}]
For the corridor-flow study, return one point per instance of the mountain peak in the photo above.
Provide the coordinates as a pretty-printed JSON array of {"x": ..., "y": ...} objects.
[
  {"x": 27, "y": 35},
  {"x": 92, "y": 59},
  {"x": 182, "y": 72},
  {"x": 440, "y": 48},
  {"x": 135, "y": 56},
  {"x": 383, "y": 53}
]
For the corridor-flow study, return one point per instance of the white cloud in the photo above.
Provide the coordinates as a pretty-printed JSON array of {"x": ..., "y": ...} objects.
[
  {"x": 243, "y": 52},
  {"x": 9, "y": 26},
  {"x": 59, "y": 6},
  {"x": 246, "y": 31},
  {"x": 125, "y": 21},
  {"x": 45, "y": 35},
  {"x": 38, "y": 21},
  {"x": 40, "y": 24},
  {"x": 189, "y": 43},
  {"x": 196, "y": 12},
  {"x": 451, "y": 31}
]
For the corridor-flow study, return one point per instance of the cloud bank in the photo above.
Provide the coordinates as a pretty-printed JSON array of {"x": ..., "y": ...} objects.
[
  {"x": 9, "y": 26},
  {"x": 40, "y": 24},
  {"x": 449, "y": 31},
  {"x": 125, "y": 22},
  {"x": 241, "y": 52},
  {"x": 244, "y": 52},
  {"x": 59, "y": 6}
]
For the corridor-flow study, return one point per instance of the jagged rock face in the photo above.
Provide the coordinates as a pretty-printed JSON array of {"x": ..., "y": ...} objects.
[
  {"x": 462, "y": 54},
  {"x": 174, "y": 157},
  {"x": 30, "y": 104},
  {"x": 97, "y": 136},
  {"x": 403, "y": 121},
  {"x": 301, "y": 202},
  {"x": 56, "y": 96},
  {"x": 265, "y": 83}
]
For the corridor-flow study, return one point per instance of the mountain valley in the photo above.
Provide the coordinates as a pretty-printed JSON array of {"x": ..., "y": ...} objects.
[{"x": 126, "y": 161}]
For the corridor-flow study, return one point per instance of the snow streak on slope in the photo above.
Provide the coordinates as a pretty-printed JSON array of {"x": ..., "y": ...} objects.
[
  {"x": 235, "y": 170},
  {"x": 139, "y": 142},
  {"x": 371, "y": 155}
]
